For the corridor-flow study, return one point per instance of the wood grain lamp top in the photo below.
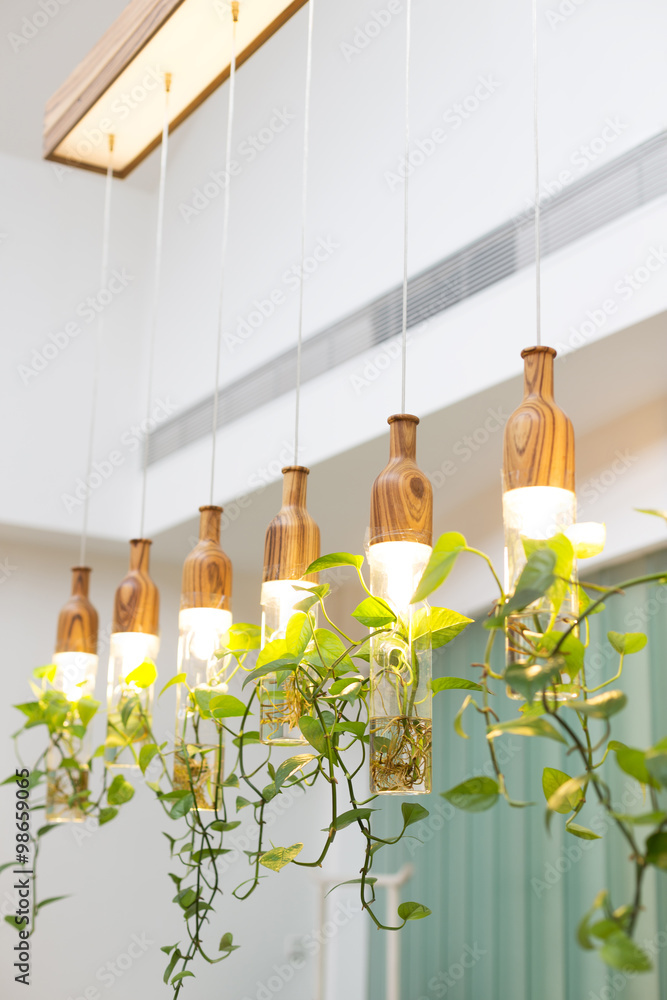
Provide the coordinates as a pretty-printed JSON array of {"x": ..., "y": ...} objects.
[
  {"x": 78, "y": 621},
  {"x": 137, "y": 601},
  {"x": 292, "y": 540},
  {"x": 207, "y": 571},
  {"x": 539, "y": 438},
  {"x": 402, "y": 495}
]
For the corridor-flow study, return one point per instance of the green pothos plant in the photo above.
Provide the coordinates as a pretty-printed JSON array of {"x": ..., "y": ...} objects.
[{"x": 328, "y": 669}]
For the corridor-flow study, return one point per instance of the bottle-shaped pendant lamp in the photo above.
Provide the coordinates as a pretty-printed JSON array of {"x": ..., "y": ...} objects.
[
  {"x": 401, "y": 534},
  {"x": 538, "y": 497},
  {"x": 203, "y": 623},
  {"x": 133, "y": 649},
  {"x": 76, "y": 660},
  {"x": 292, "y": 543}
]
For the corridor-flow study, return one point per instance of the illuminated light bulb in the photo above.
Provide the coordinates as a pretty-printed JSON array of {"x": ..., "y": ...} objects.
[
  {"x": 401, "y": 657},
  {"x": 292, "y": 543},
  {"x": 75, "y": 674},
  {"x": 202, "y": 631},
  {"x": 76, "y": 664},
  {"x": 203, "y": 623},
  {"x": 134, "y": 641},
  {"x": 539, "y": 502}
]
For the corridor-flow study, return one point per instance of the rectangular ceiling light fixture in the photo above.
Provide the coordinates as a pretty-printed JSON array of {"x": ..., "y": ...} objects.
[{"x": 119, "y": 87}]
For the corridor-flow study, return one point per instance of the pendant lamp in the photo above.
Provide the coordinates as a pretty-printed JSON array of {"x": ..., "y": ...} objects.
[
  {"x": 292, "y": 543},
  {"x": 538, "y": 496},
  {"x": 204, "y": 622},
  {"x": 76, "y": 662},
  {"x": 133, "y": 649},
  {"x": 401, "y": 533}
]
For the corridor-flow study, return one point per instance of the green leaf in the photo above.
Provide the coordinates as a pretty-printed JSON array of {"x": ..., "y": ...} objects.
[
  {"x": 602, "y": 706},
  {"x": 656, "y": 762},
  {"x": 655, "y": 513},
  {"x": 49, "y": 672},
  {"x": 290, "y": 767},
  {"x": 458, "y": 719},
  {"x": 620, "y": 952},
  {"x": 227, "y": 943},
  {"x": 453, "y": 684},
  {"x": 581, "y": 831},
  {"x": 474, "y": 795},
  {"x": 334, "y": 560},
  {"x": 244, "y": 637},
  {"x": 172, "y": 965},
  {"x": 47, "y": 902},
  {"x": 642, "y": 819},
  {"x": 182, "y": 806},
  {"x": 107, "y": 814},
  {"x": 241, "y": 803},
  {"x": 143, "y": 676},
  {"x": 220, "y": 826},
  {"x": 568, "y": 792},
  {"x": 529, "y": 680},
  {"x": 347, "y": 688},
  {"x": 526, "y": 727},
  {"x": 552, "y": 780},
  {"x": 584, "y": 929},
  {"x": 571, "y": 649},
  {"x": 351, "y": 816},
  {"x": 298, "y": 635},
  {"x": 278, "y": 857},
  {"x": 226, "y": 706},
  {"x": 86, "y": 708},
  {"x": 331, "y": 650},
  {"x": 374, "y": 613},
  {"x": 119, "y": 791},
  {"x": 627, "y": 642},
  {"x": 633, "y": 762},
  {"x": 585, "y": 602},
  {"x": 412, "y": 813},
  {"x": 537, "y": 577},
  {"x": 413, "y": 911},
  {"x": 445, "y": 553},
  {"x": 146, "y": 755},
  {"x": 178, "y": 679},
  {"x": 656, "y": 850},
  {"x": 443, "y": 624},
  {"x": 356, "y": 881},
  {"x": 181, "y": 975},
  {"x": 312, "y": 731},
  {"x": 563, "y": 549}
]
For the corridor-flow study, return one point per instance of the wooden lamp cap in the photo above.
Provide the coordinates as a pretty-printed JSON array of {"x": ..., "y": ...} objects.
[
  {"x": 137, "y": 601},
  {"x": 538, "y": 441},
  {"x": 402, "y": 495},
  {"x": 292, "y": 540},
  {"x": 207, "y": 571},
  {"x": 78, "y": 621}
]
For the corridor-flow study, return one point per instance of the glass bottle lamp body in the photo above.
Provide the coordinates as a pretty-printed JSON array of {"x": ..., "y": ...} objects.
[
  {"x": 539, "y": 502},
  {"x": 401, "y": 656},
  {"x": 76, "y": 664},
  {"x": 134, "y": 641},
  {"x": 292, "y": 543},
  {"x": 204, "y": 622}
]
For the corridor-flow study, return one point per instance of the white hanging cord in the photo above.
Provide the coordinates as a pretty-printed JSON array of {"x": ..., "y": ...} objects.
[
  {"x": 304, "y": 218},
  {"x": 156, "y": 291},
  {"x": 406, "y": 203},
  {"x": 536, "y": 131},
  {"x": 104, "y": 277},
  {"x": 225, "y": 239}
]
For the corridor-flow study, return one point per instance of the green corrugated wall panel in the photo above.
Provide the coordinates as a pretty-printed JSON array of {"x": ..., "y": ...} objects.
[{"x": 506, "y": 896}]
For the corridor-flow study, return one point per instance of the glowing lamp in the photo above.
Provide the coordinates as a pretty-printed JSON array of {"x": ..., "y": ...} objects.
[
  {"x": 133, "y": 649},
  {"x": 292, "y": 543},
  {"x": 399, "y": 548},
  {"x": 76, "y": 662},
  {"x": 203, "y": 624},
  {"x": 538, "y": 497}
]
